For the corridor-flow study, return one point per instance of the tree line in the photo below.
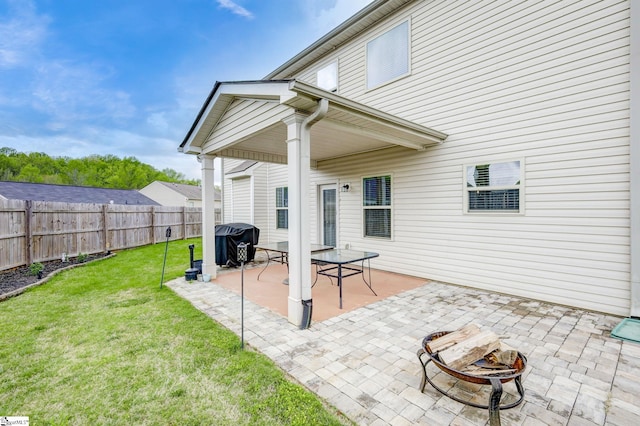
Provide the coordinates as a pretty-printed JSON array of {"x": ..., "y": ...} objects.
[{"x": 102, "y": 171}]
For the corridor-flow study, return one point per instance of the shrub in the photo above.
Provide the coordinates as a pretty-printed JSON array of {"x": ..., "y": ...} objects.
[{"x": 36, "y": 268}]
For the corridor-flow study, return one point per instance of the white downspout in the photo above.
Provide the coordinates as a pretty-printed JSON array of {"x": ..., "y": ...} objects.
[
  {"x": 634, "y": 159},
  {"x": 318, "y": 114}
]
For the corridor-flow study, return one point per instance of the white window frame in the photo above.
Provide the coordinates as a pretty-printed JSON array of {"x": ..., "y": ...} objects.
[
  {"x": 520, "y": 186},
  {"x": 373, "y": 48},
  {"x": 284, "y": 208},
  {"x": 380, "y": 207},
  {"x": 328, "y": 69}
]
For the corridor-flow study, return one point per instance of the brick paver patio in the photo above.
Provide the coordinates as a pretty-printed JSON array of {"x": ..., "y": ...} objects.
[{"x": 364, "y": 362}]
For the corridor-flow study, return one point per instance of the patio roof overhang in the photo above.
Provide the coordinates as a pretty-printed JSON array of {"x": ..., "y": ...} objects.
[
  {"x": 245, "y": 120},
  {"x": 293, "y": 123}
]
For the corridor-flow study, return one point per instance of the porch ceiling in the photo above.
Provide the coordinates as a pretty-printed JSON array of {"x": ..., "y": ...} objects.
[{"x": 244, "y": 120}]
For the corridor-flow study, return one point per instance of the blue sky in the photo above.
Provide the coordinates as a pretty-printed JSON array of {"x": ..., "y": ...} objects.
[{"x": 127, "y": 77}]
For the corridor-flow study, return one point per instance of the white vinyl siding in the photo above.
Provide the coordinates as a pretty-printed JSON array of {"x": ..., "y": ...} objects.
[
  {"x": 227, "y": 190},
  {"x": 545, "y": 82},
  {"x": 242, "y": 200},
  {"x": 247, "y": 197},
  {"x": 242, "y": 116},
  {"x": 260, "y": 200}
]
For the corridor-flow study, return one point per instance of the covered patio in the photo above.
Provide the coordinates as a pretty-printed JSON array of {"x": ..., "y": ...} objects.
[
  {"x": 270, "y": 292},
  {"x": 294, "y": 123}
]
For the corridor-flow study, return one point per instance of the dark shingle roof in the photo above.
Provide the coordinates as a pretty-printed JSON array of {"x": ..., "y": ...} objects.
[
  {"x": 71, "y": 194},
  {"x": 245, "y": 165},
  {"x": 192, "y": 192}
]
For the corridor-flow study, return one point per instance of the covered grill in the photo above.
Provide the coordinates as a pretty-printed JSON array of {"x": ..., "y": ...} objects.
[{"x": 227, "y": 238}]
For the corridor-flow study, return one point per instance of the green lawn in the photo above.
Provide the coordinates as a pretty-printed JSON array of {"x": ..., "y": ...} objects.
[{"x": 102, "y": 344}]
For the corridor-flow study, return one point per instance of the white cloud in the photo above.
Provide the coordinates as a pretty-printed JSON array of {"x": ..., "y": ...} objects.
[
  {"x": 158, "y": 121},
  {"x": 64, "y": 90},
  {"x": 328, "y": 14},
  {"x": 21, "y": 35},
  {"x": 235, "y": 8},
  {"x": 68, "y": 92}
]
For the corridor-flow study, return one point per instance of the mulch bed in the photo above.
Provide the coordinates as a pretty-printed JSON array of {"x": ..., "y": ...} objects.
[{"x": 21, "y": 277}]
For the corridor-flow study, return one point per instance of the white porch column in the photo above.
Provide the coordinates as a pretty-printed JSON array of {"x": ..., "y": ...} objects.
[
  {"x": 298, "y": 154},
  {"x": 299, "y": 162},
  {"x": 208, "y": 216}
]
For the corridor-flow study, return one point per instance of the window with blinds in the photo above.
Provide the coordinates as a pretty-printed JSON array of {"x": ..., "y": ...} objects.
[
  {"x": 282, "y": 207},
  {"x": 493, "y": 187},
  {"x": 388, "y": 56},
  {"x": 376, "y": 203}
]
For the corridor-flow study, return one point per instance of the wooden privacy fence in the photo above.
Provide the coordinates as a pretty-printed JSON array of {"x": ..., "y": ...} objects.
[{"x": 37, "y": 231}]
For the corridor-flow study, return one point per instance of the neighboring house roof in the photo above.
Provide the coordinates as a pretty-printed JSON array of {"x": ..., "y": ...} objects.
[
  {"x": 192, "y": 192},
  {"x": 242, "y": 167},
  {"x": 71, "y": 194}
]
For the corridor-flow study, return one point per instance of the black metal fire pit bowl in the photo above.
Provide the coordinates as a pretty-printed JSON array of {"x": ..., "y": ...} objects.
[{"x": 495, "y": 380}]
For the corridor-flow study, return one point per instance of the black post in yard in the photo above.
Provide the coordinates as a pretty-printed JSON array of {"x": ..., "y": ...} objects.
[
  {"x": 242, "y": 257},
  {"x": 168, "y": 235}
]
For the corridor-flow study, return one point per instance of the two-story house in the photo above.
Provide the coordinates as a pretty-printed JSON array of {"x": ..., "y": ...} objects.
[{"x": 484, "y": 144}]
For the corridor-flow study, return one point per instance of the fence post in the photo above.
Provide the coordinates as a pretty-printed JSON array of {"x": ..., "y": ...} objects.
[
  {"x": 105, "y": 231},
  {"x": 28, "y": 231},
  {"x": 153, "y": 224},
  {"x": 184, "y": 222}
]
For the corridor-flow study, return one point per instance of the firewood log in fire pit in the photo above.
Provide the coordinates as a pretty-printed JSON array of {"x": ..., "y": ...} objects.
[{"x": 463, "y": 348}]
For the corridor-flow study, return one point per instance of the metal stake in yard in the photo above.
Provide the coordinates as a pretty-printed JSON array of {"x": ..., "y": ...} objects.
[
  {"x": 168, "y": 235},
  {"x": 242, "y": 257}
]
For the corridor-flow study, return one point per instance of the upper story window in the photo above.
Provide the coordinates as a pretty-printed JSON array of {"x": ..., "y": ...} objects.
[
  {"x": 493, "y": 187},
  {"x": 388, "y": 56},
  {"x": 282, "y": 207},
  {"x": 376, "y": 203},
  {"x": 327, "y": 77}
]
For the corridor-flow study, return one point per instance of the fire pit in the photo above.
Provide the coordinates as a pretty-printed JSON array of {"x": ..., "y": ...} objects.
[{"x": 495, "y": 379}]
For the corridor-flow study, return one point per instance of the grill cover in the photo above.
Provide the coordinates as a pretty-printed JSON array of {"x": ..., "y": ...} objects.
[{"x": 228, "y": 236}]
